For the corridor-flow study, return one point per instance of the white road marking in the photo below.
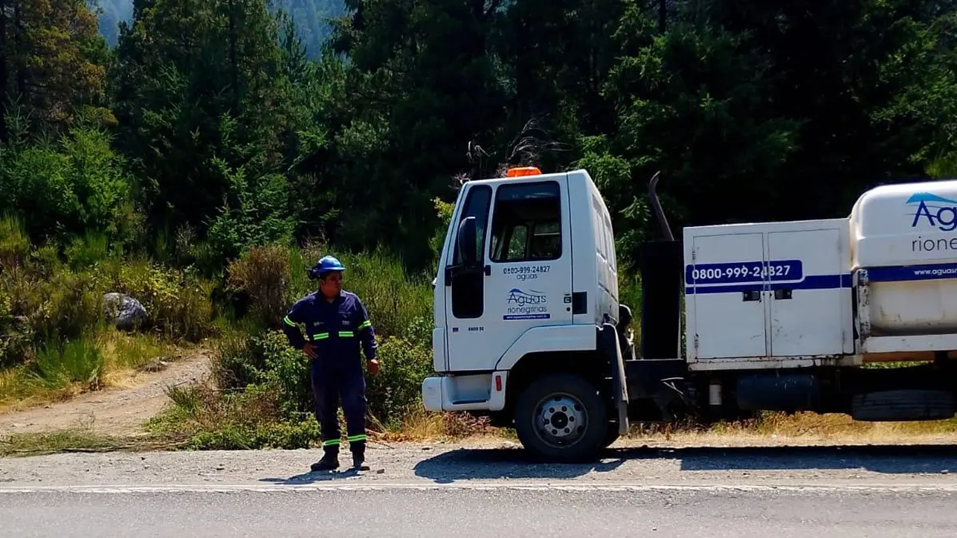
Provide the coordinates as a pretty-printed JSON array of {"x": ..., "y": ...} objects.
[{"x": 626, "y": 487}]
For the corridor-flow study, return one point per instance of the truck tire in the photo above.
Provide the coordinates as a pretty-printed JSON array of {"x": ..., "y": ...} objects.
[
  {"x": 611, "y": 435},
  {"x": 561, "y": 418},
  {"x": 902, "y": 405}
]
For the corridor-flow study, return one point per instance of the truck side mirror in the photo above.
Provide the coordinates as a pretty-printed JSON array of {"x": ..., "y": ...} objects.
[{"x": 467, "y": 242}]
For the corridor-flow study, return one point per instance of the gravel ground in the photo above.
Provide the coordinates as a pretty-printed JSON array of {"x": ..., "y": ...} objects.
[{"x": 501, "y": 463}]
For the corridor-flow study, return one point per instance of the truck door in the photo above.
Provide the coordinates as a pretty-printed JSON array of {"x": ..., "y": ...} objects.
[
  {"x": 465, "y": 279},
  {"x": 525, "y": 280},
  {"x": 729, "y": 279}
]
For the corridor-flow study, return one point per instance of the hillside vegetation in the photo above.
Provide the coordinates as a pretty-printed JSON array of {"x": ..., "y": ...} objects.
[{"x": 201, "y": 164}]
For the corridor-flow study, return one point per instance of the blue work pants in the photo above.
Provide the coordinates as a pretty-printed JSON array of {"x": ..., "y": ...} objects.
[{"x": 330, "y": 382}]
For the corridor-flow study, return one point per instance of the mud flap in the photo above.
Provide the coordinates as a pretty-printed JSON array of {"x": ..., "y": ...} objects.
[{"x": 609, "y": 345}]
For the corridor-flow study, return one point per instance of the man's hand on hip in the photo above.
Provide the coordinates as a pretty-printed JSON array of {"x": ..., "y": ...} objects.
[{"x": 310, "y": 350}]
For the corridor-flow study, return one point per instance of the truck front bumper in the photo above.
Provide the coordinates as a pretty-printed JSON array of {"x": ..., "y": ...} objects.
[
  {"x": 432, "y": 393},
  {"x": 476, "y": 392}
]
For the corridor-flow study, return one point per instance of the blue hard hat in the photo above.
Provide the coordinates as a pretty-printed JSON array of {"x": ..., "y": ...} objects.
[{"x": 326, "y": 264}]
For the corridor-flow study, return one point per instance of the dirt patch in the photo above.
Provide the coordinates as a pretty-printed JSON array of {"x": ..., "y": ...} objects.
[{"x": 115, "y": 411}]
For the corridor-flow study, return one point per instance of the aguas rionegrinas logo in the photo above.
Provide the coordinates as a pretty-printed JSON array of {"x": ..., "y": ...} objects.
[
  {"x": 526, "y": 305},
  {"x": 933, "y": 210}
]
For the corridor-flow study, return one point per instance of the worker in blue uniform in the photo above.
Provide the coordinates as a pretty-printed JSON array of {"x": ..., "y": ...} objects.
[{"x": 336, "y": 325}]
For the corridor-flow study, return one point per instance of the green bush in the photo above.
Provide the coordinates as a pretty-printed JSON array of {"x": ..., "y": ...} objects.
[
  {"x": 63, "y": 306},
  {"x": 211, "y": 420},
  {"x": 275, "y": 435},
  {"x": 14, "y": 243},
  {"x": 179, "y": 303},
  {"x": 236, "y": 364},
  {"x": 266, "y": 399},
  {"x": 6, "y": 327},
  {"x": 68, "y": 186},
  {"x": 263, "y": 274},
  {"x": 397, "y": 388},
  {"x": 87, "y": 251},
  {"x": 255, "y": 213},
  {"x": 286, "y": 374},
  {"x": 285, "y": 371}
]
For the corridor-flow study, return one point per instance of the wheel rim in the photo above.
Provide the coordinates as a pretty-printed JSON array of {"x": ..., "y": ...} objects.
[{"x": 560, "y": 420}]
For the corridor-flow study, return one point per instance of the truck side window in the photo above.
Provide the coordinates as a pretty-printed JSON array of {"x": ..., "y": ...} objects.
[
  {"x": 477, "y": 204},
  {"x": 468, "y": 290},
  {"x": 526, "y": 225}
]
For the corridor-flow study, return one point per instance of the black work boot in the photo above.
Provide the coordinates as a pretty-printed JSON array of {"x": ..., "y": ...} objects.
[
  {"x": 358, "y": 456},
  {"x": 329, "y": 461}
]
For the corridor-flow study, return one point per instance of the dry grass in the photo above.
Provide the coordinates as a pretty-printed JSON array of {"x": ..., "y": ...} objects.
[
  {"x": 421, "y": 425},
  {"x": 77, "y": 440},
  {"x": 774, "y": 429},
  {"x": 108, "y": 359}
]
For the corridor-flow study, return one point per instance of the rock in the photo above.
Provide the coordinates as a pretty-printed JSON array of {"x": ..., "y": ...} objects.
[
  {"x": 153, "y": 366},
  {"x": 126, "y": 312}
]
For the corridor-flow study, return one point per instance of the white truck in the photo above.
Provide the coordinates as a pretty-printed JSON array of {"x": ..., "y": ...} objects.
[{"x": 777, "y": 316}]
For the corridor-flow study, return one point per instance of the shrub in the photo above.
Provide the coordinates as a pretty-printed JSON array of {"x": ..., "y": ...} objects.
[
  {"x": 275, "y": 435},
  {"x": 286, "y": 373},
  {"x": 444, "y": 210},
  {"x": 6, "y": 327},
  {"x": 250, "y": 419},
  {"x": 61, "y": 307},
  {"x": 85, "y": 252},
  {"x": 235, "y": 365},
  {"x": 396, "y": 389},
  {"x": 67, "y": 186},
  {"x": 178, "y": 302},
  {"x": 263, "y": 274},
  {"x": 278, "y": 390},
  {"x": 255, "y": 212},
  {"x": 14, "y": 243}
]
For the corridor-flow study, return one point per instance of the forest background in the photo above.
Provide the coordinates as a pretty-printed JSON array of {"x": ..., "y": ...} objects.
[{"x": 198, "y": 155}]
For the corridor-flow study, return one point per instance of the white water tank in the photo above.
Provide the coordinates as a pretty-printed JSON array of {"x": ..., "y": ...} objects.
[{"x": 905, "y": 235}]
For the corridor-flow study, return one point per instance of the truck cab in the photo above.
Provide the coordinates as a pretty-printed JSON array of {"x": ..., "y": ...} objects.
[{"x": 527, "y": 283}]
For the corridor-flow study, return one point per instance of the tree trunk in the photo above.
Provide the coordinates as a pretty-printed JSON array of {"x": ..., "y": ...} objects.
[
  {"x": 234, "y": 63},
  {"x": 3, "y": 70},
  {"x": 20, "y": 53}
]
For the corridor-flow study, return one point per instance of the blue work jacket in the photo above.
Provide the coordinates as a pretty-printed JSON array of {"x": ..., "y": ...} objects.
[{"x": 337, "y": 328}]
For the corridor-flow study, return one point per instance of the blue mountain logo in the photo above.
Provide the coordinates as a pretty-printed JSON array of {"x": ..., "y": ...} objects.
[{"x": 919, "y": 197}]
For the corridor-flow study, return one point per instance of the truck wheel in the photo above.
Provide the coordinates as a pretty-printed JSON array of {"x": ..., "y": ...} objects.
[
  {"x": 611, "y": 435},
  {"x": 561, "y": 418}
]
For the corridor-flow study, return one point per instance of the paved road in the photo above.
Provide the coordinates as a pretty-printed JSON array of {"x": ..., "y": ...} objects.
[
  {"x": 418, "y": 491},
  {"x": 500, "y": 512}
]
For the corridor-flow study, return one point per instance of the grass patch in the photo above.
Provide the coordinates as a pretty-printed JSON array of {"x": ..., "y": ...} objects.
[
  {"x": 421, "y": 425},
  {"x": 72, "y": 364},
  {"x": 800, "y": 428},
  {"x": 76, "y": 440},
  {"x": 202, "y": 418},
  {"x": 63, "y": 369}
]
